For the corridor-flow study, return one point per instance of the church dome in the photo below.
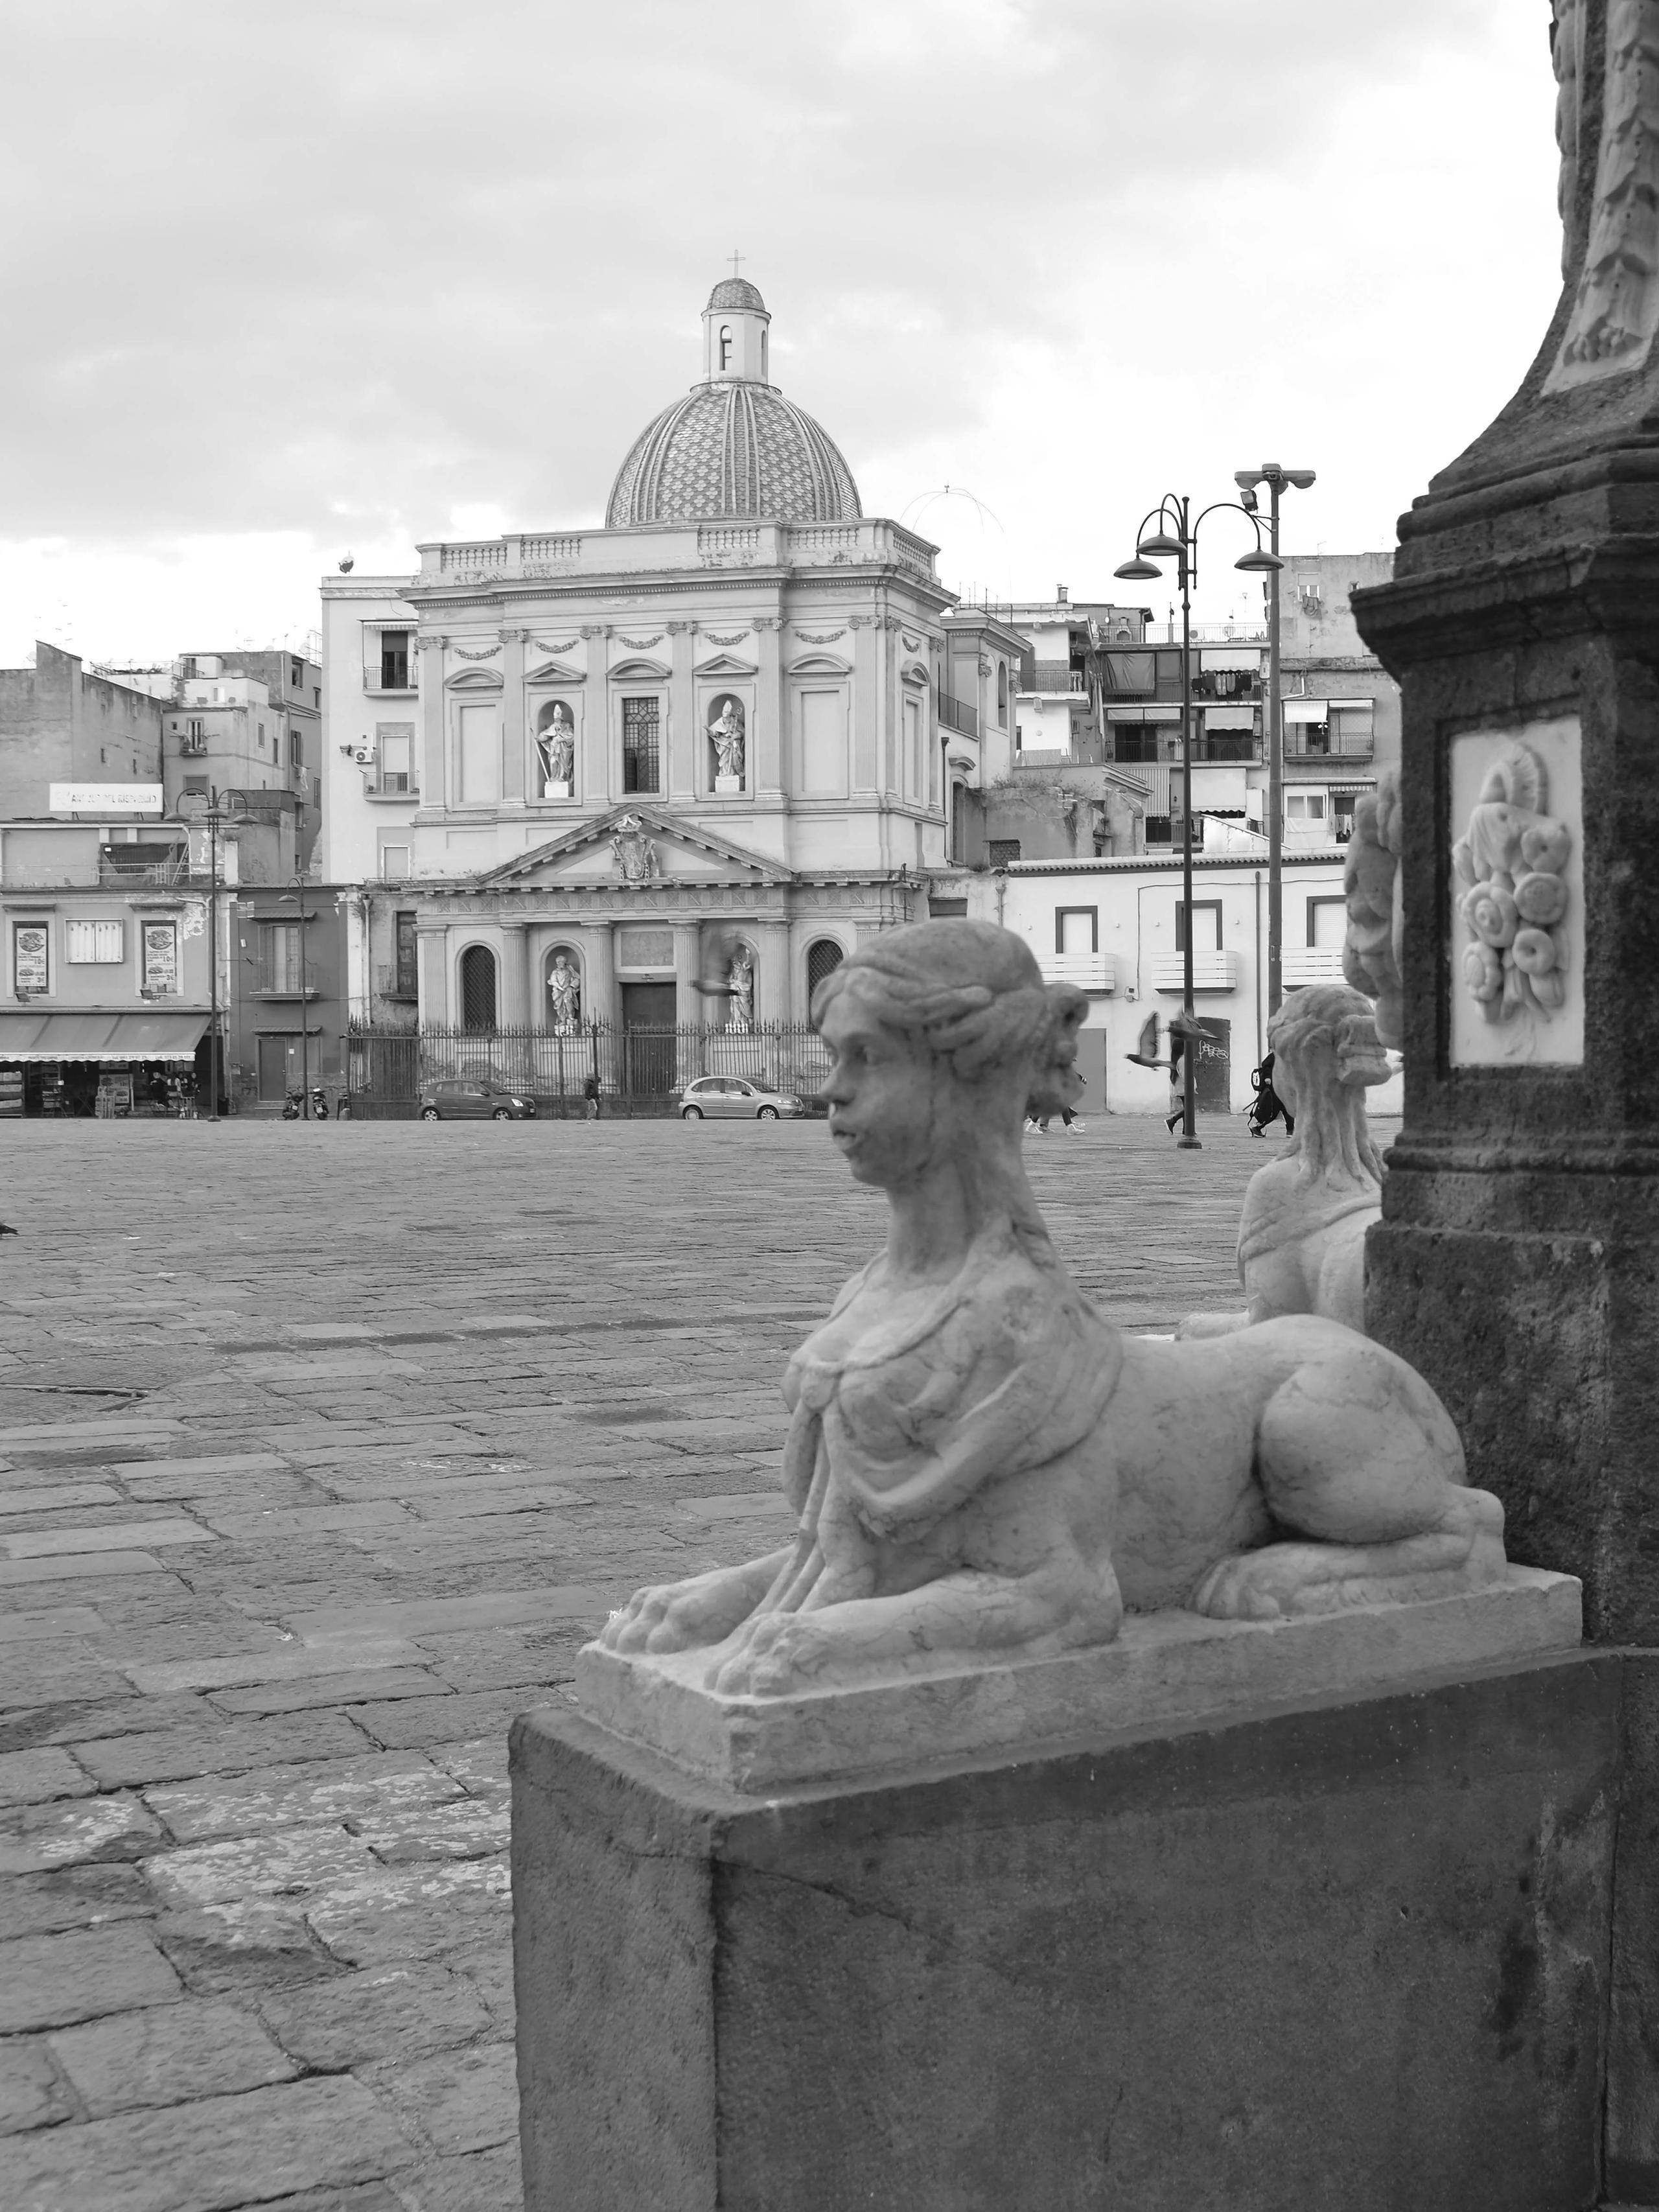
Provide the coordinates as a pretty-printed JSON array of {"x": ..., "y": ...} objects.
[
  {"x": 734, "y": 447},
  {"x": 737, "y": 292}
]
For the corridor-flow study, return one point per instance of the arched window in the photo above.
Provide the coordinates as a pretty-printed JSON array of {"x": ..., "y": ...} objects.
[
  {"x": 763, "y": 368},
  {"x": 1002, "y": 693},
  {"x": 824, "y": 957},
  {"x": 478, "y": 988},
  {"x": 726, "y": 345}
]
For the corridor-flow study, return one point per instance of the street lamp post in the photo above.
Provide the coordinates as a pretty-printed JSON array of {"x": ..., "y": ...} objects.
[
  {"x": 296, "y": 895},
  {"x": 1275, "y": 478},
  {"x": 221, "y": 807},
  {"x": 1176, "y": 539}
]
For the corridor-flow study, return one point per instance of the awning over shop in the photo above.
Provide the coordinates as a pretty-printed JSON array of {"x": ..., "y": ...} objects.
[
  {"x": 100, "y": 1037},
  {"x": 1229, "y": 718},
  {"x": 1143, "y": 713}
]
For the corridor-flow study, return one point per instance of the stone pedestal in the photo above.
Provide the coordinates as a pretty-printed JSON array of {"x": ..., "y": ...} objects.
[
  {"x": 1517, "y": 1265},
  {"x": 1351, "y": 1955}
]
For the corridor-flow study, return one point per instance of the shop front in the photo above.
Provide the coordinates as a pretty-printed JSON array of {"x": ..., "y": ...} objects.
[{"x": 103, "y": 1065}]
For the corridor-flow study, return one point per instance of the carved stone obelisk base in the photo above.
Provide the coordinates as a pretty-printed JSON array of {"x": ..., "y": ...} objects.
[
  {"x": 1517, "y": 1265},
  {"x": 1357, "y": 1954}
]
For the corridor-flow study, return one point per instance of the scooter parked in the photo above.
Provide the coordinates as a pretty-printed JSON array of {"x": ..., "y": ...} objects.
[{"x": 295, "y": 1100}]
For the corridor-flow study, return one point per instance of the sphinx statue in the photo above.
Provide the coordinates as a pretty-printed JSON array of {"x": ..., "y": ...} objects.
[
  {"x": 981, "y": 1466},
  {"x": 1301, "y": 1235}
]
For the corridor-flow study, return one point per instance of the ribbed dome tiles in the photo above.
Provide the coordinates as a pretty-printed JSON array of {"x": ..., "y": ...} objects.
[{"x": 728, "y": 449}]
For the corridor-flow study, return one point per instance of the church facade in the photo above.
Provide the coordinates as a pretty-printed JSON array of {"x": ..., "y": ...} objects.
[{"x": 707, "y": 738}]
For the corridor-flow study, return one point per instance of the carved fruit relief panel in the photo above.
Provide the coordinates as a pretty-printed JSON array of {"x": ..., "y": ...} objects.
[{"x": 1518, "y": 897}]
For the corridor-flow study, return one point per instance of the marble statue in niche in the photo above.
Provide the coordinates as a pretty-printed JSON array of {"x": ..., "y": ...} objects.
[
  {"x": 982, "y": 1465},
  {"x": 1512, "y": 894},
  {"x": 634, "y": 852},
  {"x": 1373, "y": 950},
  {"x": 1301, "y": 1235},
  {"x": 727, "y": 735},
  {"x": 740, "y": 989},
  {"x": 556, "y": 745},
  {"x": 564, "y": 996}
]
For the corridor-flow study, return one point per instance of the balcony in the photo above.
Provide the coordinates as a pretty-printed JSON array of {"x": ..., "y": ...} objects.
[
  {"x": 1310, "y": 964},
  {"x": 391, "y": 678},
  {"x": 1087, "y": 971},
  {"x": 142, "y": 875},
  {"x": 1212, "y": 971},
  {"x": 1054, "y": 676},
  {"x": 958, "y": 714}
]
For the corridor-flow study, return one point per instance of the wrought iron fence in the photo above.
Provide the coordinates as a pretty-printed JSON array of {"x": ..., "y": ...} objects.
[{"x": 637, "y": 1069}]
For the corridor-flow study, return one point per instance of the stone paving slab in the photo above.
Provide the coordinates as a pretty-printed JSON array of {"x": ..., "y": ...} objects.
[{"x": 347, "y": 1488}]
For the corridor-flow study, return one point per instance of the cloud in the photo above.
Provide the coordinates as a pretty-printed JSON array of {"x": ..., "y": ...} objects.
[{"x": 342, "y": 271}]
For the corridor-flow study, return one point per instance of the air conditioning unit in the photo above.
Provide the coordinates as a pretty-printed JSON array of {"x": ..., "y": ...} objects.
[{"x": 364, "y": 756}]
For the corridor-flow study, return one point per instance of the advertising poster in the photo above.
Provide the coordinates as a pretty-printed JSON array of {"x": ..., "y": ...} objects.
[{"x": 29, "y": 958}]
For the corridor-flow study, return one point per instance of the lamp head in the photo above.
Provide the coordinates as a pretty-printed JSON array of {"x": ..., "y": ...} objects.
[
  {"x": 1161, "y": 546},
  {"x": 1247, "y": 479},
  {"x": 1259, "y": 559},
  {"x": 1138, "y": 571},
  {"x": 1300, "y": 477}
]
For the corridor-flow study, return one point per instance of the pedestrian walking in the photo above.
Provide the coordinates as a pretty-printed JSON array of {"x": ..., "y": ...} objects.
[
  {"x": 591, "y": 1097},
  {"x": 1268, "y": 1106},
  {"x": 1071, "y": 1123}
]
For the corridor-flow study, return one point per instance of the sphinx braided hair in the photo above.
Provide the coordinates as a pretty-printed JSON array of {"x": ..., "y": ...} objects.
[
  {"x": 1332, "y": 1134},
  {"x": 974, "y": 991}
]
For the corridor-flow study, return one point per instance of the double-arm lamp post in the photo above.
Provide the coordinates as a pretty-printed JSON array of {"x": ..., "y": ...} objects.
[
  {"x": 1275, "y": 478},
  {"x": 1169, "y": 532}
]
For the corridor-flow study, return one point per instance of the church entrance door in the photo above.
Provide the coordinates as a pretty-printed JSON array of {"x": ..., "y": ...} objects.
[{"x": 650, "y": 1058}]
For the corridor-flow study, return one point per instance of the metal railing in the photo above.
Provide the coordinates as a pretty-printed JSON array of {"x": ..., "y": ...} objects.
[
  {"x": 1053, "y": 675},
  {"x": 160, "y": 873},
  {"x": 637, "y": 1068},
  {"x": 958, "y": 714}
]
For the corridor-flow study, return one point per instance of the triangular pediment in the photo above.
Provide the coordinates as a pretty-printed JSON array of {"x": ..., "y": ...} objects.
[
  {"x": 553, "y": 671},
  {"x": 683, "y": 852},
  {"x": 727, "y": 664},
  {"x": 474, "y": 679}
]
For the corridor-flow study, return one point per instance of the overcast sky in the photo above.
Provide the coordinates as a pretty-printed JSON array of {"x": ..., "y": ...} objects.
[{"x": 287, "y": 279}]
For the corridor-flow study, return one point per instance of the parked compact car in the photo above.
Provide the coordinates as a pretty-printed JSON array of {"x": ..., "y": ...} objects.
[
  {"x": 739, "y": 1098},
  {"x": 474, "y": 1098}
]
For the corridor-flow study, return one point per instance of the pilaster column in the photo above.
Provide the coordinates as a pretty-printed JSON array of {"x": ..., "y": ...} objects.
[
  {"x": 690, "y": 1006},
  {"x": 867, "y": 713},
  {"x": 515, "y": 976},
  {"x": 514, "y": 747},
  {"x": 435, "y": 784},
  {"x": 599, "y": 966},
  {"x": 768, "y": 739},
  {"x": 772, "y": 958},
  {"x": 432, "y": 950},
  {"x": 683, "y": 734},
  {"x": 598, "y": 785}
]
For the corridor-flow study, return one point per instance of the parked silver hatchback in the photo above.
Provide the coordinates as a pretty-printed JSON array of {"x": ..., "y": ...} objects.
[{"x": 739, "y": 1098}]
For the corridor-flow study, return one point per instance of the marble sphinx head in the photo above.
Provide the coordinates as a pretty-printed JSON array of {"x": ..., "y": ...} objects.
[{"x": 941, "y": 1032}]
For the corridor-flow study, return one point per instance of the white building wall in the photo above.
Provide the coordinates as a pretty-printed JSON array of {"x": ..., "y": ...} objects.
[
  {"x": 1134, "y": 907},
  {"x": 357, "y": 823}
]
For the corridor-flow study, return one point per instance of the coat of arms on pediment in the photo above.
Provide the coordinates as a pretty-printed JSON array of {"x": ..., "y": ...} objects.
[
  {"x": 634, "y": 852},
  {"x": 638, "y": 845}
]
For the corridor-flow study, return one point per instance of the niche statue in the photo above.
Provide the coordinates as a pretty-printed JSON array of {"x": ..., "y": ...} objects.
[{"x": 982, "y": 1464}]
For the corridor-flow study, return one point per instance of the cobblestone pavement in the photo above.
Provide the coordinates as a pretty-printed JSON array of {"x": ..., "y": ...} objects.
[{"x": 321, "y": 1451}]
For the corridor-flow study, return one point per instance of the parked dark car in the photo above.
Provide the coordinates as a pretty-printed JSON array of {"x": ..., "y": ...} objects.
[{"x": 474, "y": 1098}]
